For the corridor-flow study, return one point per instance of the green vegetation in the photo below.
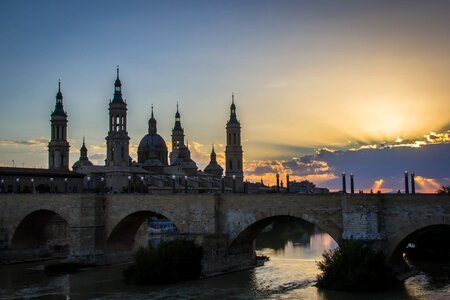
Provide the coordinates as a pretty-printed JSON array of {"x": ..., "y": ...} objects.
[
  {"x": 354, "y": 266},
  {"x": 444, "y": 190},
  {"x": 170, "y": 262}
]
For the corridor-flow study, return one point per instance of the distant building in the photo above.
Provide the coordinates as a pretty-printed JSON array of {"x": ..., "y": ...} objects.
[
  {"x": 33, "y": 180},
  {"x": 306, "y": 187},
  {"x": 155, "y": 170}
]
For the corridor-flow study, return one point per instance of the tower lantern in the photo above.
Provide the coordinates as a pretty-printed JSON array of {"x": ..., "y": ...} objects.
[
  {"x": 58, "y": 147},
  {"x": 117, "y": 141},
  {"x": 233, "y": 150}
]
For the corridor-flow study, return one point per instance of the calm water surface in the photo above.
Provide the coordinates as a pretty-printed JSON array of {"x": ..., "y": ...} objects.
[{"x": 290, "y": 274}]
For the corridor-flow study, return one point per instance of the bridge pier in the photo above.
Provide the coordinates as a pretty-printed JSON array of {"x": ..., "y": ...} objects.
[{"x": 87, "y": 234}]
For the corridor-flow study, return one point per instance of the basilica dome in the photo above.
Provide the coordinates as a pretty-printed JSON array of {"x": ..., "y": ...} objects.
[{"x": 152, "y": 147}]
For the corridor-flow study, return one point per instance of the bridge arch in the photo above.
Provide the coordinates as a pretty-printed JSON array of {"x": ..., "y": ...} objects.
[
  {"x": 42, "y": 232},
  {"x": 399, "y": 241},
  {"x": 123, "y": 234},
  {"x": 243, "y": 242}
]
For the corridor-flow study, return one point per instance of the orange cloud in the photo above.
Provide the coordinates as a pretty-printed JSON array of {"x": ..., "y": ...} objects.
[{"x": 426, "y": 185}]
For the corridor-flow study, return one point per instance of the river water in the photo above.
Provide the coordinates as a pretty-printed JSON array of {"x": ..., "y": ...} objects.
[{"x": 290, "y": 274}]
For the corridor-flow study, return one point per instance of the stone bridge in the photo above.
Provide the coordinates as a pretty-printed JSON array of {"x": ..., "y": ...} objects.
[{"x": 103, "y": 229}]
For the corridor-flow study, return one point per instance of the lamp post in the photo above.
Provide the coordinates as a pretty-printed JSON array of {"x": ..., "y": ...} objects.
[
  {"x": 223, "y": 184},
  {"x": 352, "y": 184},
  {"x": 65, "y": 185},
  {"x": 32, "y": 185},
  {"x": 234, "y": 183},
  {"x": 406, "y": 183},
  {"x": 129, "y": 184},
  {"x": 344, "y": 184},
  {"x": 173, "y": 183},
  {"x": 278, "y": 183},
  {"x": 102, "y": 185},
  {"x": 185, "y": 184},
  {"x": 413, "y": 184},
  {"x": 51, "y": 184},
  {"x": 3, "y": 186},
  {"x": 142, "y": 184},
  {"x": 89, "y": 184},
  {"x": 17, "y": 185}
]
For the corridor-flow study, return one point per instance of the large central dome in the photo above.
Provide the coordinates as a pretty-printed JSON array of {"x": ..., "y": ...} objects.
[{"x": 152, "y": 150}]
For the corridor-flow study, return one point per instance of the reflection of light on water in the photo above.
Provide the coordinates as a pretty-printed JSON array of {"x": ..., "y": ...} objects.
[{"x": 318, "y": 243}]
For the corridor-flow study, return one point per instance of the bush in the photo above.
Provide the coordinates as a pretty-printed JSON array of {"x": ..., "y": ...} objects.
[
  {"x": 354, "y": 266},
  {"x": 170, "y": 262}
]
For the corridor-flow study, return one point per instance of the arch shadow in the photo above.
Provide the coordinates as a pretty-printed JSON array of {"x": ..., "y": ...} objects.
[
  {"x": 243, "y": 243},
  {"x": 41, "y": 233},
  {"x": 396, "y": 257},
  {"x": 123, "y": 235}
]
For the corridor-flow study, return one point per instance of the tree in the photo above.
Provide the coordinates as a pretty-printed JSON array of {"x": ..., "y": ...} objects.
[{"x": 444, "y": 190}]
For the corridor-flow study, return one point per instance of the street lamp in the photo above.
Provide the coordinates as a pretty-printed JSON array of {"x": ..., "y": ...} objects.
[
  {"x": 102, "y": 186},
  {"x": 32, "y": 185},
  {"x": 129, "y": 184},
  {"x": 65, "y": 185},
  {"x": 185, "y": 184},
  {"x": 142, "y": 184},
  {"x": 89, "y": 183},
  {"x": 406, "y": 183},
  {"x": 51, "y": 184},
  {"x": 3, "y": 186},
  {"x": 278, "y": 183},
  {"x": 234, "y": 183},
  {"x": 173, "y": 183},
  {"x": 344, "y": 184},
  {"x": 223, "y": 184},
  {"x": 352, "y": 184},
  {"x": 17, "y": 185}
]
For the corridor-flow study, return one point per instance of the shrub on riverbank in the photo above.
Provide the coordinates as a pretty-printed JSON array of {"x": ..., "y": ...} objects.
[
  {"x": 354, "y": 266},
  {"x": 170, "y": 262}
]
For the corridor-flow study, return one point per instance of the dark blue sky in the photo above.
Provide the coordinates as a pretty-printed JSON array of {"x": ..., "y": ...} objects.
[{"x": 306, "y": 74}]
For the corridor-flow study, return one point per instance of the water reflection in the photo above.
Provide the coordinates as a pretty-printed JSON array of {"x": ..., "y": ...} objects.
[{"x": 290, "y": 274}]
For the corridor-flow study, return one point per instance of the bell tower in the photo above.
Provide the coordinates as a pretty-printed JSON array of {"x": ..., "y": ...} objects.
[
  {"x": 58, "y": 148},
  {"x": 177, "y": 137},
  {"x": 233, "y": 151},
  {"x": 117, "y": 141}
]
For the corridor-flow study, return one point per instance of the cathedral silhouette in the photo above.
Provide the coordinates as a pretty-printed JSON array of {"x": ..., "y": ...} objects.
[{"x": 155, "y": 168}]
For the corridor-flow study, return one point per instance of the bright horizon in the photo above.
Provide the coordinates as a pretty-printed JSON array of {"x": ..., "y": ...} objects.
[{"x": 320, "y": 88}]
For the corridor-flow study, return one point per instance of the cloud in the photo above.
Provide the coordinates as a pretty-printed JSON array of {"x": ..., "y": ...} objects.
[
  {"x": 375, "y": 167},
  {"x": 32, "y": 142}
]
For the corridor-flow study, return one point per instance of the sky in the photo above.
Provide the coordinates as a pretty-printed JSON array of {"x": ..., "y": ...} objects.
[{"x": 321, "y": 87}]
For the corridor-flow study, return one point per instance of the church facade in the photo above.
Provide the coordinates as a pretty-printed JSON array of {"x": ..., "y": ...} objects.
[{"x": 155, "y": 169}]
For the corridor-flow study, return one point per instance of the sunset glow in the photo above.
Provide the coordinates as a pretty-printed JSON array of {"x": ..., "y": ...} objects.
[{"x": 306, "y": 77}]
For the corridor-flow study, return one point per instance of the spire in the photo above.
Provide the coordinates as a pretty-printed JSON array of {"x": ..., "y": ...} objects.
[
  {"x": 83, "y": 151},
  {"x": 177, "y": 120},
  {"x": 213, "y": 156},
  {"x": 118, "y": 89},
  {"x": 59, "y": 109},
  {"x": 233, "y": 118},
  {"x": 59, "y": 94},
  {"x": 152, "y": 124}
]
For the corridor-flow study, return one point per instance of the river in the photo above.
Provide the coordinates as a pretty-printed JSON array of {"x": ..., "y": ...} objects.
[{"x": 289, "y": 274}]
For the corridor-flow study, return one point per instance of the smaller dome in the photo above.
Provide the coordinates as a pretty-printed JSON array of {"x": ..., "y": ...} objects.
[
  {"x": 154, "y": 140},
  {"x": 81, "y": 163}
]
